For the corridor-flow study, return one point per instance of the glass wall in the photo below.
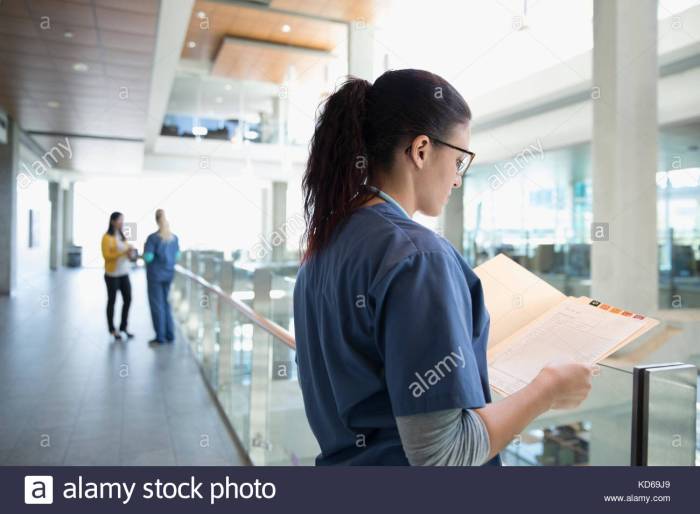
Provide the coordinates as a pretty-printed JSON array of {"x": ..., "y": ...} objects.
[{"x": 536, "y": 207}]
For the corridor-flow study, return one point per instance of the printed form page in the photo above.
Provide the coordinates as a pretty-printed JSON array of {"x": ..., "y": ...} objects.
[{"x": 571, "y": 330}]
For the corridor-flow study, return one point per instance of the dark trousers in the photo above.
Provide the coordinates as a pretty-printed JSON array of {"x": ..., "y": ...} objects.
[
  {"x": 123, "y": 285},
  {"x": 160, "y": 309}
]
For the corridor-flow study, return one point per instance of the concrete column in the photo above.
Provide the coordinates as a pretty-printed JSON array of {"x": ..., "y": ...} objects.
[
  {"x": 260, "y": 381},
  {"x": 453, "y": 220},
  {"x": 265, "y": 225},
  {"x": 68, "y": 205},
  {"x": 280, "y": 114},
  {"x": 279, "y": 218},
  {"x": 361, "y": 50},
  {"x": 226, "y": 324},
  {"x": 624, "y": 267},
  {"x": 9, "y": 163},
  {"x": 56, "y": 250}
]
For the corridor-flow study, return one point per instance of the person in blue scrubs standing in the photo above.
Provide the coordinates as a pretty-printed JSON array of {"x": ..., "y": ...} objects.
[
  {"x": 160, "y": 254},
  {"x": 390, "y": 321}
]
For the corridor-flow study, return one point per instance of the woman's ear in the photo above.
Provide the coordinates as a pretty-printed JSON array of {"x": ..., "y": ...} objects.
[{"x": 419, "y": 149}]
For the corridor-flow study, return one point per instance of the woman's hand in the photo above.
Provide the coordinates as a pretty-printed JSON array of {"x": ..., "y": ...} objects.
[
  {"x": 557, "y": 386},
  {"x": 566, "y": 384}
]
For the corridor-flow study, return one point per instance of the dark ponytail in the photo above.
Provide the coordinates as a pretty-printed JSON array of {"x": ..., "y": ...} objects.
[
  {"x": 337, "y": 165},
  {"x": 356, "y": 135}
]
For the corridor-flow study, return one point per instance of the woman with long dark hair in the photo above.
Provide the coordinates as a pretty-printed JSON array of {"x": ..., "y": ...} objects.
[
  {"x": 117, "y": 253},
  {"x": 390, "y": 321}
]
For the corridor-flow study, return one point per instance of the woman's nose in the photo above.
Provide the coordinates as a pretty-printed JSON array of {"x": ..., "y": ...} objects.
[{"x": 457, "y": 182}]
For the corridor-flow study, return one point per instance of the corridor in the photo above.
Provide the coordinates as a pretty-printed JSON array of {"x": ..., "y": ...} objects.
[{"x": 71, "y": 396}]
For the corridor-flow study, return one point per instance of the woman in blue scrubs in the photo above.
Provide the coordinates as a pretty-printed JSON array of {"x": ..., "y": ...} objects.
[
  {"x": 391, "y": 326},
  {"x": 160, "y": 254}
]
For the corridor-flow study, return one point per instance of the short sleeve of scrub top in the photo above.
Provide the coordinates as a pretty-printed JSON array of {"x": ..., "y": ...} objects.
[
  {"x": 424, "y": 330},
  {"x": 149, "y": 249},
  {"x": 150, "y": 246}
]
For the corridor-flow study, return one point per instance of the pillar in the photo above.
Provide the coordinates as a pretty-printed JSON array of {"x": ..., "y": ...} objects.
[
  {"x": 279, "y": 220},
  {"x": 361, "y": 50},
  {"x": 624, "y": 267},
  {"x": 453, "y": 220},
  {"x": 56, "y": 249},
  {"x": 9, "y": 163},
  {"x": 261, "y": 364},
  {"x": 68, "y": 205}
]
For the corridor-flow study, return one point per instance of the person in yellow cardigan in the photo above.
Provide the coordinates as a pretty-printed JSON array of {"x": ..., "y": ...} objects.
[{"x": 117, "y": 253}]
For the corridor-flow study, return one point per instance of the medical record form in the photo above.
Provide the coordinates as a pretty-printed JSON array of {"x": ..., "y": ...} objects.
[{"x": 533, "y": 323}]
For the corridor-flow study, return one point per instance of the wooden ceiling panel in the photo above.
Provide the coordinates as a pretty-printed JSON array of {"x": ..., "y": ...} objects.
[
  {"x": 129, "y": 72},
  {"x": 14, "y": 8},
  {"x": 114, "y": 56},
  {"x": 73, "y": 52},
  {"x": 125, "y": 21},
  {"x": 62, "y": 12},
  {"x": 39, "y": 83},
  {"x": 74, "y": 79},
  {"x": 267, "y": 62},
  {"x": 79, "y": 35},
  {"x": 136, "y": 6},
  {"x": 16, "y": 99},
  {"x": 347, "y": 10},
  {"x": 22, "y": 74},
  {"x": 16, "y": 60},
  {"x": 223, "y": 20},
  {"x": 122, "y": 41},
  {"x": 12, "y": 26},
  {"x": 95, "y": 68},
  {"x": 24, "y": 45}
]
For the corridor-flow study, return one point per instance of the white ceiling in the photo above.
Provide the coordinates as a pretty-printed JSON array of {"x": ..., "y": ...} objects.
[{"x": 482, "y": 45}]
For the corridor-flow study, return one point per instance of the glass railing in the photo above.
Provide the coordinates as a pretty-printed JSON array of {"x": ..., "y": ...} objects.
[
  {"x": 598, "y": 432},
  {"x": 247, "y": 354},
  {"x": 247, "y": 359},
  {"x": 281, "y": 300}
]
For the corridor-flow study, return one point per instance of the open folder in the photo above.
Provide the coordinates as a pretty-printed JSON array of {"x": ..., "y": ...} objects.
[{"x": 533, "y": 323}]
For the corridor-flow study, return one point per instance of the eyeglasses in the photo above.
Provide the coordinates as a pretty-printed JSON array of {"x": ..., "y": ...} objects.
[{"x": 463, "y": 163}]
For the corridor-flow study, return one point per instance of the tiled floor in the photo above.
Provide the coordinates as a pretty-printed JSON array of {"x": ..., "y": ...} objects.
[{"x": 71, "y": 396}]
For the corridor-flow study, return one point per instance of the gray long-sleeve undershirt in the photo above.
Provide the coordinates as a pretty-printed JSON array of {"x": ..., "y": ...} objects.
[{"x": 453, "y": 437}]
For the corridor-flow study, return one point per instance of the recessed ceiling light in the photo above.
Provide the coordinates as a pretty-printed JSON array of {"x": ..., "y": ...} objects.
[
  {"x": 228, "y": 87},
  {"x": 218, "y": 100},
  {"x": 53, "y": 104},
  {"x": 68, "y": 34},
  {"x": 286, "y": 28},
  {"x": 201, "y": 15},
  {"x": 80, "y": 66},
  {"x": 191, "y": 44}
]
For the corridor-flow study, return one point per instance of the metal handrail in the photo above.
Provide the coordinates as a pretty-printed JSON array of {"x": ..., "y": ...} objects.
[{"x": 266, "y": 324}]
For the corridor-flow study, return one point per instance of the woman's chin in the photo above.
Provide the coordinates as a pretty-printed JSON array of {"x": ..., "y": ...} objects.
[{"x": 434, "y": 211}]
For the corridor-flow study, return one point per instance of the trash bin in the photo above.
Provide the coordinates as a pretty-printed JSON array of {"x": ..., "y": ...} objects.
[{"x": 75, "y": 256}]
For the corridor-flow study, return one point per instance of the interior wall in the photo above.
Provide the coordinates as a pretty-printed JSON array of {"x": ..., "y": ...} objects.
[{"x": 34, "y": 260}]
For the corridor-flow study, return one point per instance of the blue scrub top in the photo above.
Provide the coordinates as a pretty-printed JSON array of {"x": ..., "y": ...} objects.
[
  {"x": 389, "y": 321},
  {"x": 162, "y": 267}
]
